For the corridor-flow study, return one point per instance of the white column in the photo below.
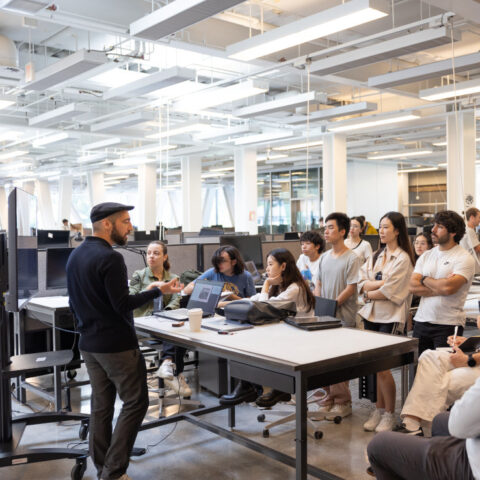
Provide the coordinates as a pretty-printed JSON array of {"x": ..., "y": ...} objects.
[
  {"x": 460, "y": 161},
  {"x": 192, "y": 194},
  {"x": 403, "y": 191},
  {"x": 245, "y": 186},
  {"x": 334, "y": 173},
  {"x": 65, "y": 190},
  {"x": 3, "y": 209},
  {"x": 96, "y": 188},
  {"x": 45, "y": 209},
  {"x": 29, "y": 187},
  {"x": 147, "y": 202},
  {"x": 207, "y": 206}
]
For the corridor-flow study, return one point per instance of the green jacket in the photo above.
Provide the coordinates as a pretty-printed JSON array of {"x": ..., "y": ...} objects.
[{"x": 141, "y": 279}]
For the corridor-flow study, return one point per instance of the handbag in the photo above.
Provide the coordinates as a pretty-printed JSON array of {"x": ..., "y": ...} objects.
[{"x": 259, "y": 313}]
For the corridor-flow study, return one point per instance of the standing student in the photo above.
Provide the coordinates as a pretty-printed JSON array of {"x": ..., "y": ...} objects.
[
  {"x": 158, "y": 269},
  {"x": 100, "y": 301},
  {"x": 337, "y": 279},
  {"x": 312, "y": 247},
  {"x": 355, "y": 242},
  {"x": 384, "y": 282},
  {"x": 442, "y": 277},
  {"x": 470, "y": 240}
]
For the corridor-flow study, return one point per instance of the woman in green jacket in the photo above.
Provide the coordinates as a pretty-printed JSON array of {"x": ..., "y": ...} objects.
[{"x": 158, "y": 269}]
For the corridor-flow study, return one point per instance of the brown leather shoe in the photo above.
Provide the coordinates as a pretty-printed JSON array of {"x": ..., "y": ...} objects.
[{"x": 272, "y": 397}]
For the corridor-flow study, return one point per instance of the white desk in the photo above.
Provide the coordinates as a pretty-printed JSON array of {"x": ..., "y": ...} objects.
[{"x": 290, "y": 360}]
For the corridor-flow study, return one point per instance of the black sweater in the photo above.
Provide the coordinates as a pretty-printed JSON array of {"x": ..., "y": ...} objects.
[{"x": 99, "y": 298}]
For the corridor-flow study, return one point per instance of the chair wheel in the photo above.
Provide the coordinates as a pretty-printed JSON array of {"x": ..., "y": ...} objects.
[
  {"x": 261, "y": 417},
  {"x": 71, "y": 374},
  {"x": 78, "y": 469},
  {"x": 83, "y": 431},
  {"x": 337, "y": 419},
  {"x": 266, "y": 433},
  {"x": 318, "y": 435}
]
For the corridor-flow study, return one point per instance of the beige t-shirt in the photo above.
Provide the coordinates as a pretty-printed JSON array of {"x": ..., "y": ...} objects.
[{"x": 469, "y": 242}]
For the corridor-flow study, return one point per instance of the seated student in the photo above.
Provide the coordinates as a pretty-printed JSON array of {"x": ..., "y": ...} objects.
[
  {"x": 228, "y": 267},
  {"x": 284, "y": 282},
  {"x": 158, "y": 269},
  {"x": 313, "y": 246},
  {"x": 355, "y": 242},
  {"x": 452, "y": 453},
  {"x": 442, "y": 378}
]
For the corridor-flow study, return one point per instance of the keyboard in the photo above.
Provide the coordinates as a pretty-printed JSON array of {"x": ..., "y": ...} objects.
[{"x": 180, "y": 314}]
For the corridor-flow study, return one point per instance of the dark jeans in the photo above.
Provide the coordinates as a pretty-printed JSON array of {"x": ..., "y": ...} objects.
[
  {"x": 397, "y": 456},
  {"x": 111, "y": 373},
  {"x": 432, "y": 335},
  {"x": 177, "y": 354}
]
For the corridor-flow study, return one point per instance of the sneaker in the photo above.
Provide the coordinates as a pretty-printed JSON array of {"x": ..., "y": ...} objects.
[
  {"x": 179, "y": 386},
  {"x": 339, "y": 410},
  {"x": 319, "y": 408},
  {"x": 387, "y": 423},
  {"x": 373, "y": 421},
  {"x": 402, "y": 429},
  {"x": 166, "y": 370}
]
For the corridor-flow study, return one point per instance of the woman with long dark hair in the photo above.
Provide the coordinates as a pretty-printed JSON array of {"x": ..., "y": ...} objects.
[
  {"x": 384, "y": 282},
  {"x": 355, "y": 242},
  {"x": 284, "y": 282}
]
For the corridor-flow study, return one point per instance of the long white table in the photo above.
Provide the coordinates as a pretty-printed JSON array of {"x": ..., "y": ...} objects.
[{"x": 290, "y": 360}]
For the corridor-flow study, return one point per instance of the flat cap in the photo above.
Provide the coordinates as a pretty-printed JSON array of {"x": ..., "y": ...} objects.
[{"x": 104, "y": 210}]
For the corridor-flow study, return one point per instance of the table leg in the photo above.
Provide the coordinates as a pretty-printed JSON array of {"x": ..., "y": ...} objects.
[
  {"x": 300, "y": 426},
  {"x": 231, "y": 410},
  {"x": 57, "y": 371}
]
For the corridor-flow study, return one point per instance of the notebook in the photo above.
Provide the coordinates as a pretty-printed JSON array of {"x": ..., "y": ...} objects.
[
  {"x": 205, "y": 295},
  {"x": 314, "y": 323}
]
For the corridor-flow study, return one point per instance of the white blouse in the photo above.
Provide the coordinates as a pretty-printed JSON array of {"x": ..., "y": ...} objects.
[{"x": 363, "y": 249}]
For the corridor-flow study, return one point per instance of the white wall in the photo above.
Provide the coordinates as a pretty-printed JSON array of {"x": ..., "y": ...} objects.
[{"x": 372, "y": 189}]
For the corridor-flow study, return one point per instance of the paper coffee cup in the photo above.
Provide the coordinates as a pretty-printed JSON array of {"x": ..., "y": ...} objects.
[{"x": 195, "y": 319}]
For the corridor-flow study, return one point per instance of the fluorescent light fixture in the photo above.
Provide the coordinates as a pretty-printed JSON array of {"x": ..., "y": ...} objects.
[
  {"x": 396, "y": 47},
  {"x": 108, "y": 142},
  {"x": 450, "y": 91},
  {"x": 117, "y": 177},
  {"x": 336, "y": 19},
  {"x": 176, "y": 16},
  {"x": 151, "y": 83},
  {"x": 91, "y": 157},
  {"x": 442, "y": 164},
  {"x": 66, "y": 69},
  {"x": 212, "y": 175},
  {"x": 332, "y": 112},
  {"x": 7, "y": 101},
  {"x": 440, "y": 144},
  {"x": 10, "y": 136},
  {"x": 178, "y": 130},
  {"x": 12, "y": 154},
  {"x": 263, "y": 137},
  {"x": 172, "y": 173},
  {"x": 122, "y": 121},
  {"x": 23, "y": 6},
  {"x": 274, "y": 156},
  {"x": 372, "y": 121},
  {"x": 117, "y": 77},
  {"x": 223, "y": 169},
  {"x": 67, "y": 112},
  {"x": 222, "y": 132},
  {"x": 265, "y": 108},
  {"x": 423, "y": 72},
  {"x": 415, "y": 170},
  {"x": 50, "y": 173},
  {"x": 193, "y": 150},
  {"x": 138, "y": 152},
  {"x": 298, "y": 146},
  {"x": 56, "y": 137},
  {"x": 218, "y": 96},
  {"x": 7, "y": 167},
  {"x": 405, "y": 154}
]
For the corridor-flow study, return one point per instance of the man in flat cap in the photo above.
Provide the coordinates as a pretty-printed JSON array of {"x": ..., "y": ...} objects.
[{"x": 99, "y": 298}]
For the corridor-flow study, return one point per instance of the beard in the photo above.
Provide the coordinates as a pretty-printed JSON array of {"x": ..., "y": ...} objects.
[{"x": 117, "y": 238}]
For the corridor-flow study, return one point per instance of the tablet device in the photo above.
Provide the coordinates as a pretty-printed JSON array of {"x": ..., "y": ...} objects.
[{"x": 314, "y": 323}]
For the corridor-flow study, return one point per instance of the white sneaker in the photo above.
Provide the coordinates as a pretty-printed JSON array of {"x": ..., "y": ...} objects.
[
  {"x": 319, "y": 408},
  {"x": 166, "y": 370},
  {"x": 179, "y": 386},
  {"x": 339, "y": 410},
  {"x": 373, "y": 421},
  {"x": 386, "y": 423}
]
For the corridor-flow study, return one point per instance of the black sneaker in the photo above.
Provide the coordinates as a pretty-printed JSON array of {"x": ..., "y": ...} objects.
[{"x": 402, "y": 429}]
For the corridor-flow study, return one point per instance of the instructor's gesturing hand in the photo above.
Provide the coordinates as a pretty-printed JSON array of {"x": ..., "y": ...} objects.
[{"x": 173, "y": 286}]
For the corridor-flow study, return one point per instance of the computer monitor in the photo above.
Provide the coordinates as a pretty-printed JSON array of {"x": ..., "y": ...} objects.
[
  {"x": 53, "y": 238},
  {"x": 291, "y": 236},
  {"x": 249, "y": 246},
  {"x": 146, "y": 236},
  {"x": 412, "y": 230},
  {"x": 373, "y": 240},
  {"x": 210, "y": 232},
  {"x": 56, "y": 267}
]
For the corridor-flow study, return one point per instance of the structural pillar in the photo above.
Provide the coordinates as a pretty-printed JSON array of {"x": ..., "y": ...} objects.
[
  {"x": 45, "y": 208},
  {"x": 192, "y": 194},
  {"x": 403, "y": 194},
  {"x": 3, "y": 209},
  {"x": 96, "y": 188},
  {"x": 334, "y": 173},
  {"x": 147, "y": 201},
  {"x": 65, "y": 192},
  {"x": 461, "y": 161},
  {"x": 245, "y": 187}
]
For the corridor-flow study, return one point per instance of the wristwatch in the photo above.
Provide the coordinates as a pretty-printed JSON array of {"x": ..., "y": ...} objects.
[
  {"x": 471, "y": 362},
  {"x": 423, "y": 279},
  {"x": 365, "y": 297}
]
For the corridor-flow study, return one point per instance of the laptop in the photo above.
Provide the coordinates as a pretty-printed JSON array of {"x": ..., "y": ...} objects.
[
  {"x": 251, "y": 267},
  {"x": 205, "y": 295}
]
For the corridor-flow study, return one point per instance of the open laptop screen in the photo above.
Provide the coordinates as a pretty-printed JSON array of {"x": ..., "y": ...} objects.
[{"x": 205, "y": 295}]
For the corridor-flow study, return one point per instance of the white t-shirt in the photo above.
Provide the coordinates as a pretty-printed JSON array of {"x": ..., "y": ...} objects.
[
  {"x": 363, "y": 250},
  {"x": 469, "y": 242},
  {"x": 445, "y": 309},
  {"x": 308, "y": 269}
]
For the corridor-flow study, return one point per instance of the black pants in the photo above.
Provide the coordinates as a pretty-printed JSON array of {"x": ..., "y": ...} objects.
[
  {"x": 432, "y": 335},
  {"x": 111, "y": 373},
  {"x": 397, "y": 456},
  {"x": 177, "y": 354}
]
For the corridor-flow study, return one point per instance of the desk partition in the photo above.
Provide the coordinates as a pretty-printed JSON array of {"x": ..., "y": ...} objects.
[{"x": 291, "y": 245}]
